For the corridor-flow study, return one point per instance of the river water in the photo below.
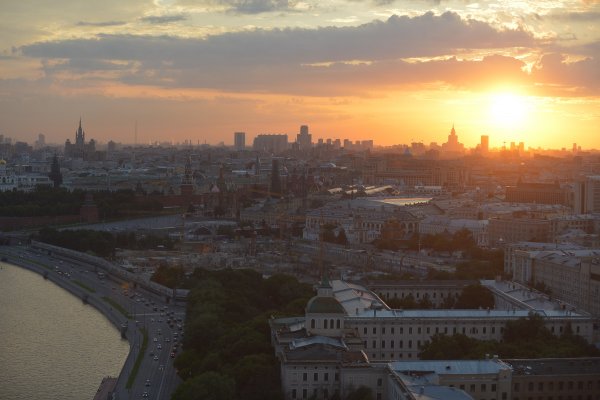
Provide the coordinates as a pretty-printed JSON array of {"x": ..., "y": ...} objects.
[{"x": 52, "y": 346}]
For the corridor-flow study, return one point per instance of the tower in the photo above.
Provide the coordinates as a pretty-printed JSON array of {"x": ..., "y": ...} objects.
[
  {"x": 239, "y": 140},
  {"x": 79, "y": 136},
  {"x": 485, "y": 143}
]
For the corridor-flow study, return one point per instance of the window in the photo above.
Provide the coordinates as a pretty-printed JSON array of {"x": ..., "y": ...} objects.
[
  {"x": 337, "y": 376},
  {"x": 483, "y": 387},
  {"x": 293, "y": 393},
  {"x": 383, "y": 330},
  {"x": 365, "y": 330},
  {"x": 419, "y": 330},
  {"x": 472, "y": 388},
  {"x": 325, "y": 322},
  {"x": 304, "y": 393},
  {"x": 316, "y": 377},
  {"x": 392, "y": 330},
  {"x": 410, "y": 344},
  {"x": 312, "y": 323},
  {"x": 401, "y": 343},
  {"x": 493, "y": 387},
  {"x": 305, "y": 377},
  {"x": 374, "y": 330},
  {"x": 410, "y": 330},
  {"x": 392, "y": 344},
  {"x": 428, "y": 330},
  {"x": 516, "y": 387},
  {"x": 338, "y": 324},
  {"x": 374, "y": 343},
  {"x": 379, "y": 381},
  {"x": 530, "y": 386},
  {"x": 326, "y": 376},
  {"x": 383, "y": 344}
]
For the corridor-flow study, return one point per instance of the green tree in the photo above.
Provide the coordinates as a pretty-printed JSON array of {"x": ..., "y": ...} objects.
[
  {"x": 206, "y": 386},
  {"x": 474, "y": 297},
  {"x": 360, "y": 393}
]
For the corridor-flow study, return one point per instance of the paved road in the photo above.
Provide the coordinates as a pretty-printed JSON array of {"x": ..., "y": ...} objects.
[{"x": 156, "y": 377}]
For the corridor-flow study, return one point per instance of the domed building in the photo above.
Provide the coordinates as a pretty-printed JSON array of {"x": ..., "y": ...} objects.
[{"x": 324, "y": 314}]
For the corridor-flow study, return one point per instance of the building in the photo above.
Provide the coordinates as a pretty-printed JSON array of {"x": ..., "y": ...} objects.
[
  {"x": 304, "y": 139},
  {"x": 270, "y": 143},
  {"x": 349, "y": 338},
  {"x": 540, "y": 193},
  {"x": 586, "y": 195},
  {"x": 80, "y": 149},
  {"x": 239, "y": 140},
  {"x": 508, "y": 229},
  {"x": 485, "y": 143},
  {"x": 362, "y": 220},
  {"x": 569, "y": 273},
  {"x": 453, "y": 147}
]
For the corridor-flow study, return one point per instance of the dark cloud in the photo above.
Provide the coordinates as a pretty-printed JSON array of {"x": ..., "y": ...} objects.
[
  {"x": 398, "y": 37},
  {"x": 163, "y": 19},
  {"x": 101, "y": 24},
  {"x": 320, "y": 62},
  {"x": 246, "y": 6}
]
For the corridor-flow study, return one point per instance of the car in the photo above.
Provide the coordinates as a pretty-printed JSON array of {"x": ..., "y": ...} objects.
[
  {"x": 172, "y": 355},
  {"x": 155, "y": 358},
  {"x": 145, "y": 394},
  {"x": 167, "y": 339},
  {"x": 156, "y": 339},
  {"x": 147, "y": 382},
  {"x": 159, "y": 346}
]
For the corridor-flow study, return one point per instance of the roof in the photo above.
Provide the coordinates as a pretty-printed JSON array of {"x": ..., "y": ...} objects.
[
  {"x": 450, "y": 367},
  {"x": 462, "y": 314},
  {"x": 324, "y": 305}
]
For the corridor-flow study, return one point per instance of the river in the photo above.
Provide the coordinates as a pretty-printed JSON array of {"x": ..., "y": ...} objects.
[{"x": 52, "y": 346}]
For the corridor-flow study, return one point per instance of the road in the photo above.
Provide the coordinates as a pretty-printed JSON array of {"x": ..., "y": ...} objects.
[{"x": 156, "y": 377}]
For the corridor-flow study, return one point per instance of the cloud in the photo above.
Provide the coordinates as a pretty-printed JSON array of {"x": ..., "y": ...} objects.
[
  {"x": 247, "y": 6},
  {"x": 100, "y": 24},
  {"x": 581, "y": 16},
  {"x": 397, "y": 37},
  {"x": 163, "y": 19},
  {"x": 579, "y": 77},
  {"x": 324, "y": 61}
]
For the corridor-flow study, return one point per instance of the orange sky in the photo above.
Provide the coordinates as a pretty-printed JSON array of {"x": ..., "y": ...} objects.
[{"x": 391, "y": 71}]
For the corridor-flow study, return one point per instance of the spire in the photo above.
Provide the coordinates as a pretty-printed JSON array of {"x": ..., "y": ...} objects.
[{"x": 80, "y": 122}]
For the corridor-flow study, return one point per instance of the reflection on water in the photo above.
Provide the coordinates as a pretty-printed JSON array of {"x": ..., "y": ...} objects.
[{"x": 52, "y": 346}]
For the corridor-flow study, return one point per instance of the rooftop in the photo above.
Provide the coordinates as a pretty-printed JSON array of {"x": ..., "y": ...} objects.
[
  {"x": 555, "y": 366},
  {"x": 449, "y": 367}
]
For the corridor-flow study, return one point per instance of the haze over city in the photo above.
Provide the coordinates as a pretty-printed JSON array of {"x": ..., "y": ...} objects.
[{"x": 391, "y": 71}]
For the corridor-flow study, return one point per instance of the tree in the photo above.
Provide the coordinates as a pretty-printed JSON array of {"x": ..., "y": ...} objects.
[
  {"x": 361, "y": 393},
  {"x": 206, "y": 386},
  {"x": 474, "y": 297},
  {"x": 341, "y": 237}
]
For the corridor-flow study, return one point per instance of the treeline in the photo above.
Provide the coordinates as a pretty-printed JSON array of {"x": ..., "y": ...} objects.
[
  {"x": 523, "y": 338},
  {"x": 49, "y": 201},
  {"x": 227, "y": 352},
  {"x": 99, "y": 243}
]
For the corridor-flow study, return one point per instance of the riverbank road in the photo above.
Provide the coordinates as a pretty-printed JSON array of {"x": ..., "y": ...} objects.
[{"x": 148, "y": 372}]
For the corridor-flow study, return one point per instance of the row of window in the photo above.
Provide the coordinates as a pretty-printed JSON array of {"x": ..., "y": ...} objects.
[
  {"x": 336, "y": 377},
  {"x": 560, "y": 385},
  {"x": 437, "y": 329}
]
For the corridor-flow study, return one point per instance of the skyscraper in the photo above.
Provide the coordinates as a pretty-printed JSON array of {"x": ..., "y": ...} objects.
[
  {"x": 304, "y": 139},
  {"x": 239, "y": 140},
  {"x": 485, "y": 143}
]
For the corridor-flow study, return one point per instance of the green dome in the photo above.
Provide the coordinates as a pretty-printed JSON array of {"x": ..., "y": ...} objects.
[{"x": 324, "y": 305}]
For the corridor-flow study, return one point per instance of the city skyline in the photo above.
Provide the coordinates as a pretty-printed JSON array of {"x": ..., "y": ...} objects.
[{"x": 391, "y": 71}]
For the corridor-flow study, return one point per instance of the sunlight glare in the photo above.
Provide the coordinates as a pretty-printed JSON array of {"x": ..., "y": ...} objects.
[{"x": 509, "y": 110}]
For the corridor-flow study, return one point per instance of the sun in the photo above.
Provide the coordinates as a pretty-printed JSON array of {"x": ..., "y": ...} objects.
[{"x": 509, "y": 110}]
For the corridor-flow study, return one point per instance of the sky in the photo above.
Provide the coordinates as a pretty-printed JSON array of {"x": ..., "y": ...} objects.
[{"x": 393, "y": 71}]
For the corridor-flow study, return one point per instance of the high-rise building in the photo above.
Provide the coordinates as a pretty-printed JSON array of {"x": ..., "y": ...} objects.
[
  {"x": 453, "y": 146},
  {"x": 485, "y": 143},
  {"x": 304, "y": 139},
  {"x": 239, "y": 140},
  {"x": 271, "y": 143}
]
